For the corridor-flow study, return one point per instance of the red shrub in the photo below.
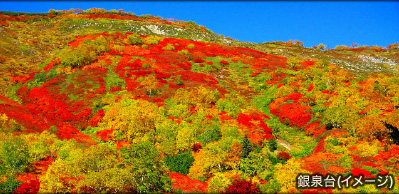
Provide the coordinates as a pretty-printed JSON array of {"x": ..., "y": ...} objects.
[
  {"x": 283, "y": 155},
  {"x": 185, "y": 65},
  {"x": 197, "y": 147},
  {"x": 97, "y": 118},
  {"x": 199, "y": 60},
  {"x": 105, "y": 134},
  {"x": 295, "y": 114},
  {"x": 28, "y": 187},
  {"x": 357, "y": 172},
  {"x": 242, "y": 186},
  {"x": 223, "y": 62},
  {"x": 186, "y": 184}
]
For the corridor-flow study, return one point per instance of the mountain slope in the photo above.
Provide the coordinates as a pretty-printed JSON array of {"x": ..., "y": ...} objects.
[{"x": 102, "y": 103}]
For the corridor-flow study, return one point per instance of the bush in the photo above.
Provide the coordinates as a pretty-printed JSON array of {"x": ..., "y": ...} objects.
[
  {"x": 183, "y": 52},
  {"x": 134, "y": 39},
  {"x": 272, "y": 145},
  {"x": 293, "y": 63},
  {"x": 144, "y": 46},
  {"x": 84, "y": 54},
  {"x": 152, "y": 40},
  {"x": 242, "y": 186},
  {"x": 180, "y": 163},
  {"x": 191, "y": 46},
  {"x": 169, "y": 47}
]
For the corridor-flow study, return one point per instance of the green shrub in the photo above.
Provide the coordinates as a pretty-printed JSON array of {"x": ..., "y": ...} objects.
[
  {"x": 183, "y": 52},
  {"x": 191, "y": 46},
  {"x": 134, "y": 39},
  {"x": 169, "y": 47},
  {"x": 272, "y": 143},
  {"x": 85, "y": 54},
  {"x": 180, "y": 163},
  {"x": 144, "y": 46}
]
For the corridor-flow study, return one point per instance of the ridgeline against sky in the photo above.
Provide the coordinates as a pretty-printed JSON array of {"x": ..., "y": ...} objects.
[{"x": 313, "y": 23}]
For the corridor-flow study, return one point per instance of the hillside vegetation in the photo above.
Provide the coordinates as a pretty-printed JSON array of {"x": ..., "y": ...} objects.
[{"x": 107, "y": 101}]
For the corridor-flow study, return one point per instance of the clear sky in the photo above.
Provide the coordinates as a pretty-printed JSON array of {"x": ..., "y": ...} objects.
[{"x": 313, "y": 22}]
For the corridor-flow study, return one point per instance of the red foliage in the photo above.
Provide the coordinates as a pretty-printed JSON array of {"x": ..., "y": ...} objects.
[
  {"x": 254, "y": 74},
  {"x": 283, "y": 155},
  {"x": 294, "y": 96},
  {"x": 315, "y": 191},
  {"x": 105, "y": 134},
  {"x": 52, "y": 63},
  {"x": 174, "y": 119},
  {"x": 295, "y": 114},
  {"x": 311, "y": 86},
  {"x": 319, "y": 132},
  {"x": 242, "y": 186},
  {"x": 370, "y": 164},
  {"x": 311, "y": 128},
  {"x": 186, "y": 184},
  {"x": 97, "y": 118},
  {"x": 197, "y": 77},
  {"x": 384, "y": 156},
  {"x": 32, "y": 186},
  {"x": 254, "y": 126},
  {"x": 358, "y": 171},
  {"x": 163, "y": 76},
  {"x": 199, "y": 60},
  {"x": 197, "y": 147},
  {"x": 209, "y": 117},
  {"x": 4, "y": 24},
  {"x": 185, "y": 65},
  {"x": 223, "y": 62},
  {"x": 320, "y": 146},
  {"x": 307, "y": 63}
]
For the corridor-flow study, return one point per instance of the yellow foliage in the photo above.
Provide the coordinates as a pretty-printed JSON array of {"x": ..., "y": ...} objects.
[
  {"x": 369, "y": 149},
  {"x": 210, "y": 160},
  {"x": 149, "y": 84},
  {"x": 131, "y": 119},
  {"x": 218, "y": 183},
  {"x": 54, "y": 180},
  {"x": 185, "y": 138},
  {"x": 286, "y": 174},
  {"x": 370, "y": 126}
]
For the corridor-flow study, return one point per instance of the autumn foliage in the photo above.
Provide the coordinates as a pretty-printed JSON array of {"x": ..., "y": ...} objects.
[{"x": 129, "y": 112}]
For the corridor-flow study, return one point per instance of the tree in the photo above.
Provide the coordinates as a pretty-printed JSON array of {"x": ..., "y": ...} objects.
[
  {"x": 149, "y": 84},
  {"x": 134, "y": 120},
  {"x": 13, "y": 156},
  {"x": 255, "y": 164},
  {"x": 180, "y": 163},
  {"x": 185, "y": 138},
  {"x": 286, "y": 174},
  {"x": 320, "y": 47},
  {"x": 293, "y": 63},
  {"x": 209, "y": 160},
  {"x": 166, "y": 137},
  {"x": 218, "y": 183},
  {"x": 147, "y": 167},
  {"x": 246, "y": 147},
  {"x": 243, "y": 186},
  {"x": 370, "y": 127}
]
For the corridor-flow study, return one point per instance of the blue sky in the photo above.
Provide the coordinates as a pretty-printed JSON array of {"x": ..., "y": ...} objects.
[{"x": 313, "y": 22}]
